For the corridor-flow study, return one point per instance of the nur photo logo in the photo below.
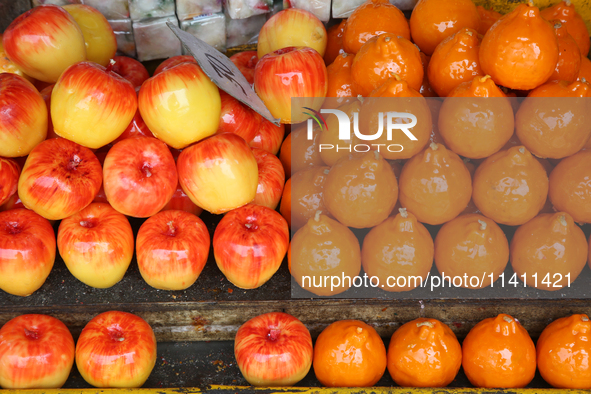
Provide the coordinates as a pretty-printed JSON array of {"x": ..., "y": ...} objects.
[{"x": 393, "y": 120}]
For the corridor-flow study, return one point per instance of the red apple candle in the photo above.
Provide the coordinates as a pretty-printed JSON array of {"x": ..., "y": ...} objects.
[
  {"x": 36, "y": 352},
  {"x": 96, "y": 245},
  {"x": 219, "y": 173},
  {"x": 292, "y": 72},
  {"x": 44, "y": 41},
  {"x": 140, "y": 176},
  {"x": 273, "y": 349},
  {"x": 172, "y": 249},
  {"x": 116, "y": 349},
  {"x": 23, "y": 116},
  {"x": 271, "y": 179},
  {"x": 59, "y": 178},
  {"x": 92, "y": 105},
  {"x": 249, "y": 245},
  {"x": 27, "y": 251}
]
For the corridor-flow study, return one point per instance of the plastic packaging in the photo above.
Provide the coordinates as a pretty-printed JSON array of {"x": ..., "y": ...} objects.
[
  {"x": 277, "y": 6},
  {"x": 320, "y": 8},
  {"x": 111, "y": 9},
  {"x": 124, "y": 35},
  {"x": 145, "y": 9},
  {"x": 242, "y": 9},
  {"x": 241, "y": 31},
  {"x": 155, "y": 40},
  {"x": 188, "y": 9},
  {"x": 208, "y": 28},
  {"x": 35, "y": 3}
]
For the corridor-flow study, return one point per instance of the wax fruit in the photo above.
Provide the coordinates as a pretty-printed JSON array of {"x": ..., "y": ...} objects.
[
  {"x": 374, "y": 118},
  {"x": 349, "y": 353},
  {"x": 44, "y": 32},
  {"x": 550, "y": 251},
  {"x": 536, "y": 59},
  {"x": 432, "y": 21},
  {"x": 291, "y": 27},
  {"x": 455, "y": 60},
  {"x": 249, "y": 245},
  {"x": 382, "y": 56},
  {"x": 27, "y": 246},
  {"x": 424, "y": 353},
  {"x": 400, "y": 248},
  {"x": 307, "y": 189},
  {"x": 324, "y": 247},
  {"x": 435, "y": 185},
  {"x": 361, "y": 190},
  {"x": 172, "y": 249},
  {"x": 273, "y": 349},
  {"x": 370, "y": 19},
  {"x": 552, "y": 127},
  {"x": 498, "y": 352},
  {"x": 569, "y": 186},
  {"x": 180, "y": 105},
  {"x": 96, "y": 244},
  {"x": 575, "y": 25},
  {"x": 99, "y": 38},
  {"x": 563, "y": 351},
  {"x": 291, "y": 72},
  {"x": 24, "y": 119},
  {"x": 92, "y": 105},
  {"x": 59, "y": 178},
  {"x": 471, "y": 245},
  {"x": 510, "y": 187},
  {"x": 36, "y": 352},
  {"x": 219, "y": 173},
  {"x": 476, "y": 127}
]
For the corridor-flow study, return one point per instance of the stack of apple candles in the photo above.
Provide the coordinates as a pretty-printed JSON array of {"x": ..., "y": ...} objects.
[{"x": 103, "y": 141}]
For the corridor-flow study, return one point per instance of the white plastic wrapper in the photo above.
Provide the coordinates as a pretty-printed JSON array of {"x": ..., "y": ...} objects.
[
  {"x": 35, "y": 3},
  {"x": 188, "y": 9},
  {"x": 155, "y": 40},
  {"x": 277, "y": 6},
  {"x": 124, "y": 35},
  {"x": 320, "y": 8},
  {"x": 241, "y": 31},
  {"x": 242, "y": 9},
  {"x": 344, "y": 8},
  {"x": 111, "y": 9},
  {"x": 208, "y": 28},
  {"x": 145, "y": 9}
]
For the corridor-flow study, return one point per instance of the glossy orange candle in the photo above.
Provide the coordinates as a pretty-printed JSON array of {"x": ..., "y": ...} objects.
[
  {"x": 435, "y": 185},
  {"x": 471, "y": 245},
  {"x": 349, "y": 353},
  {"x": 551, "y": 250},
  {"x": 399, "y": 247},
  {"x": 510, "y": 187},
  {"x": 498, "y": 352},
  {"x": 424, "y": 353},
  {"x": 324, "y": 247},
  {"x": 361, "y": 190},
  {"x": 563, "y": 352}
]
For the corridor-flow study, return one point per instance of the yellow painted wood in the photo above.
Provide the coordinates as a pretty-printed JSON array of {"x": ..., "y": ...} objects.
[
  {"x": 298, "y": 390},
  {"x": 583, "y": 7}
]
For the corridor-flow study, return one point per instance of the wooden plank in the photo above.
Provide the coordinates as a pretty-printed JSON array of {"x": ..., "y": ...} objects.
[{"x": 219, "y": 321}]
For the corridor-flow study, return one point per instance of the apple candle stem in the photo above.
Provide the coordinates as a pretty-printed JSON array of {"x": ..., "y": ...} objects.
[
  {"x": 171, "y": 229},
  {"x": 110, "y": 65},
  {"x": 273, "y": 334},
  {"x": 31, "y": 334}
]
